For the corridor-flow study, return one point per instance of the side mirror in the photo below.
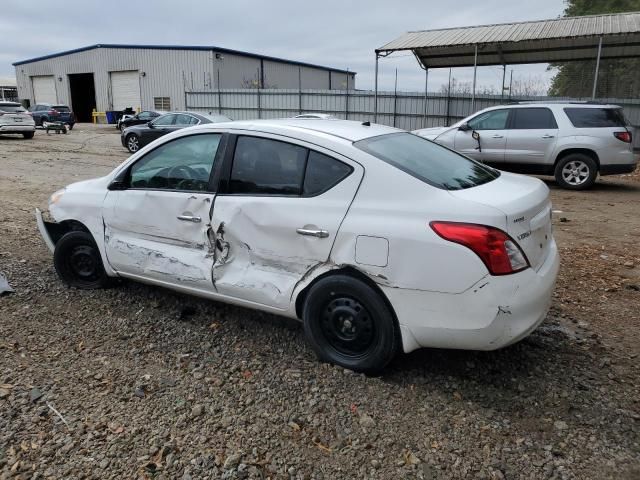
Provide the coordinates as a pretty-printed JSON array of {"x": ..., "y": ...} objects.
[
  {"x": 475, "y": 135},
  {"x": 150, "y": 125},
  {"x": 117, "y": 184},
  {"x": 464, "y": 127}
]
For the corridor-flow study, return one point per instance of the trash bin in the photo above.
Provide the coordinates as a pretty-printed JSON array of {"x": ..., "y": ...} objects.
[{"x": 112, "y": 116}]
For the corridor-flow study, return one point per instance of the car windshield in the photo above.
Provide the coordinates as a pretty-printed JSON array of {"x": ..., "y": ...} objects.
[
  {"x": 428, "y": 161},
  {"x": 11, "y": 108}
]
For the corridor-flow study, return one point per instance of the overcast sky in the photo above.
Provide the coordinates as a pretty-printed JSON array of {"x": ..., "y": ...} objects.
[{"x": 341, "y": 34}]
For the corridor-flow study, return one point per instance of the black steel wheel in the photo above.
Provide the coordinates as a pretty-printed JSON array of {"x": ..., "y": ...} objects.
[
  {"x": 78, "y": 261},
  {"x": 348, "y": 323}
]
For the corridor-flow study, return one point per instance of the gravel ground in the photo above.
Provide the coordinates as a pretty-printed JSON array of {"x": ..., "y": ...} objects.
[{"x": 140, "y": 382}]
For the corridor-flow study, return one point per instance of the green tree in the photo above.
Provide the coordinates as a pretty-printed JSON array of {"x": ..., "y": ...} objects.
[{"x": 617, "y": 78}]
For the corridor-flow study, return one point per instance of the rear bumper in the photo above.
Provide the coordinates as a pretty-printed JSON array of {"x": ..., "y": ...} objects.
[
  {"x": 17, "y": 128},
  {"x": 617, "y": 169},
  {"x": 494, "y": 313}
]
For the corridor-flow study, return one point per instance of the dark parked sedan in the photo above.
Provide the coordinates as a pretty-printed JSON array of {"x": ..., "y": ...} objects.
[
  {"x": 139, "y": 119},
  {"x": 136, "y": 137}
]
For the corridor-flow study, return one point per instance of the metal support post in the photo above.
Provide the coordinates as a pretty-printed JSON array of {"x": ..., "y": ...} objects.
[
  {"x": 595, "y": 77},
  {"x": 426, "y": 83},
  {"x": 475, "y": 72},
  {"x": 375, "y": 97}
]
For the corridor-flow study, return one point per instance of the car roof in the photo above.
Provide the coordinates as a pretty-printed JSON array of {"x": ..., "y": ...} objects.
[
  {"x": 344, "y": 129},
  {"x": 7, "y": 102}
]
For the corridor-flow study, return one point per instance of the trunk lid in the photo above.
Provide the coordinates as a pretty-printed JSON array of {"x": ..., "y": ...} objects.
[{"x": 526, "y": 205}]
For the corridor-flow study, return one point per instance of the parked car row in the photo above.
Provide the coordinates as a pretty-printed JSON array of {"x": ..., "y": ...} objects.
[
  {"x": 142, "y": 133},
  {"x": 572, "y": 141}
]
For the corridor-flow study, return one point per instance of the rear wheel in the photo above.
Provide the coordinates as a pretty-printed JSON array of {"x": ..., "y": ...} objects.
[
  {"x": 78, "y": 261},
  {"x": 349, "y": 324},
  {"x": 576, "y": 171},
  {"x": 28, "y": 135}
]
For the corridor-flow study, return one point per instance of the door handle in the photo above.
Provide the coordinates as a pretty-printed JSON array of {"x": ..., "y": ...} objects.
[
  {"x": 496, "y": 136},
  {"x": 189, "y": 218},
  {"x": 313, "y": 233},
  {"x": 548, "y": 136}
]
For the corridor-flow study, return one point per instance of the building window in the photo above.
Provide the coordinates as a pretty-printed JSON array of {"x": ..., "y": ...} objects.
[{"x": 162, "y": 103}]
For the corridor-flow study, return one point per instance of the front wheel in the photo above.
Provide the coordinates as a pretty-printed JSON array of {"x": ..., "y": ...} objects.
[
  {"x": 78, "y": 261},
  {"x": 349, "y": 324},
  {"x": 576, "y": 171},
  {"x": 133, "y": 143},
  {"x": 28, "y": 135}
]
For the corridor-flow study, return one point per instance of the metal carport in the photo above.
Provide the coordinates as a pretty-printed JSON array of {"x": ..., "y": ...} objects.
[{"x": 564, "y": 39}]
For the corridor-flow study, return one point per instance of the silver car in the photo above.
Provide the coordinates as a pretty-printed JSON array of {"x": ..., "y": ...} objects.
[
  {"x": 571, "y": 141},
  {"x": 15, "y": 119}
]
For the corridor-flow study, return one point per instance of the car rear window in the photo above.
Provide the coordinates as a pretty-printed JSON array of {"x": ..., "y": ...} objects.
[
  {"x": 595, "y": 117},
  {"x": 11, "y": 108},
  {"x": 428, "y": 161},
  {"x": 61, "y": 108}
]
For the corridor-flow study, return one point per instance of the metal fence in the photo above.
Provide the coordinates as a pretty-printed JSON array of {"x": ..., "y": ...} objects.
[{"x": 404, "y": 110}]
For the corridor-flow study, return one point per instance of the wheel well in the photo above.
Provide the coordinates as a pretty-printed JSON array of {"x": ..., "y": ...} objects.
[
  {"x": 58, "y": 230},
  {"x": 584, "y": 151},
  {"x": 352, "y": 272}
]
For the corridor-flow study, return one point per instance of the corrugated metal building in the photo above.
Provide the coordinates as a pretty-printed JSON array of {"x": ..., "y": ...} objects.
[{"x": 114, "y": 77}]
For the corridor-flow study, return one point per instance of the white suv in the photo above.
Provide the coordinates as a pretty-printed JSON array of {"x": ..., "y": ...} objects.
[
  {"x": 571, "y": 141},
  {"x": 15, "y": 119}
]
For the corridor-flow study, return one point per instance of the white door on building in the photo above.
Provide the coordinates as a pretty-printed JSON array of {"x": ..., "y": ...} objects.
[
  {"x": 125, "y": 90},
  {"x": 44, "y": 89}
]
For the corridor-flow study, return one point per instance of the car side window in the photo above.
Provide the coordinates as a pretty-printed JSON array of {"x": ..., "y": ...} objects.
[
  {"x": 182, "y": 164},
  {"x": 182, "y": 119},
  {"x": 533, "y": 118},
  {"x": 264, "y": 166},
  {"x": 492, "y": 120},
  {"x": 165, "y": 120},
  {"x": 322, "y": 173},
  {"x": 144, "y": 116}
]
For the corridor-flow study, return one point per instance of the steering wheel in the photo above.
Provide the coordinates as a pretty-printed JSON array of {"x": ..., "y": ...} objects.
[{"x": 180, "y": 174}]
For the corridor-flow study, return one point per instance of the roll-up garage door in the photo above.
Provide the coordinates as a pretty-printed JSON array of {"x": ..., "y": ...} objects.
[
  {"x": 44, "y": 89},
  {"x": 125, "y": 89}
]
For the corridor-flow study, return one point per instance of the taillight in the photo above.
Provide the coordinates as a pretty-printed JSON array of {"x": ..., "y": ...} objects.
[
  {"x": 496, "y": 249},
  {"x": 624, "y": 136},
  {"x": 53, "y": 111}
]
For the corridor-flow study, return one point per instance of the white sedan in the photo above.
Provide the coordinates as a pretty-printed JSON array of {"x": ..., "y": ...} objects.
[{"x": 377, "y": 239}]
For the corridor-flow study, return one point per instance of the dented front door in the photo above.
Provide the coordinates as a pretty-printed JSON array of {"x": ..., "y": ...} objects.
[
  {"x": 267, "y": 238},
  {"x": 157, "y": 228}
]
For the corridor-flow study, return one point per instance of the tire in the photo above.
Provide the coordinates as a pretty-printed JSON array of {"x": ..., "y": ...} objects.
[
  {"x": 28, "y": 135},
  {"x": 42, "y": 120},
  {"x": 132, "y": 142},
  {"x": 71, "y": 126},
  {"x": 349, "y": 324},
  {"x": 576, "y": 171},
  {"x": 78, "y": 262}
]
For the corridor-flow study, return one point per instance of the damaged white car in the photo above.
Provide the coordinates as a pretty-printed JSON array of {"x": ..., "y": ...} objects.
[{"x": 377, "y": 239}]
